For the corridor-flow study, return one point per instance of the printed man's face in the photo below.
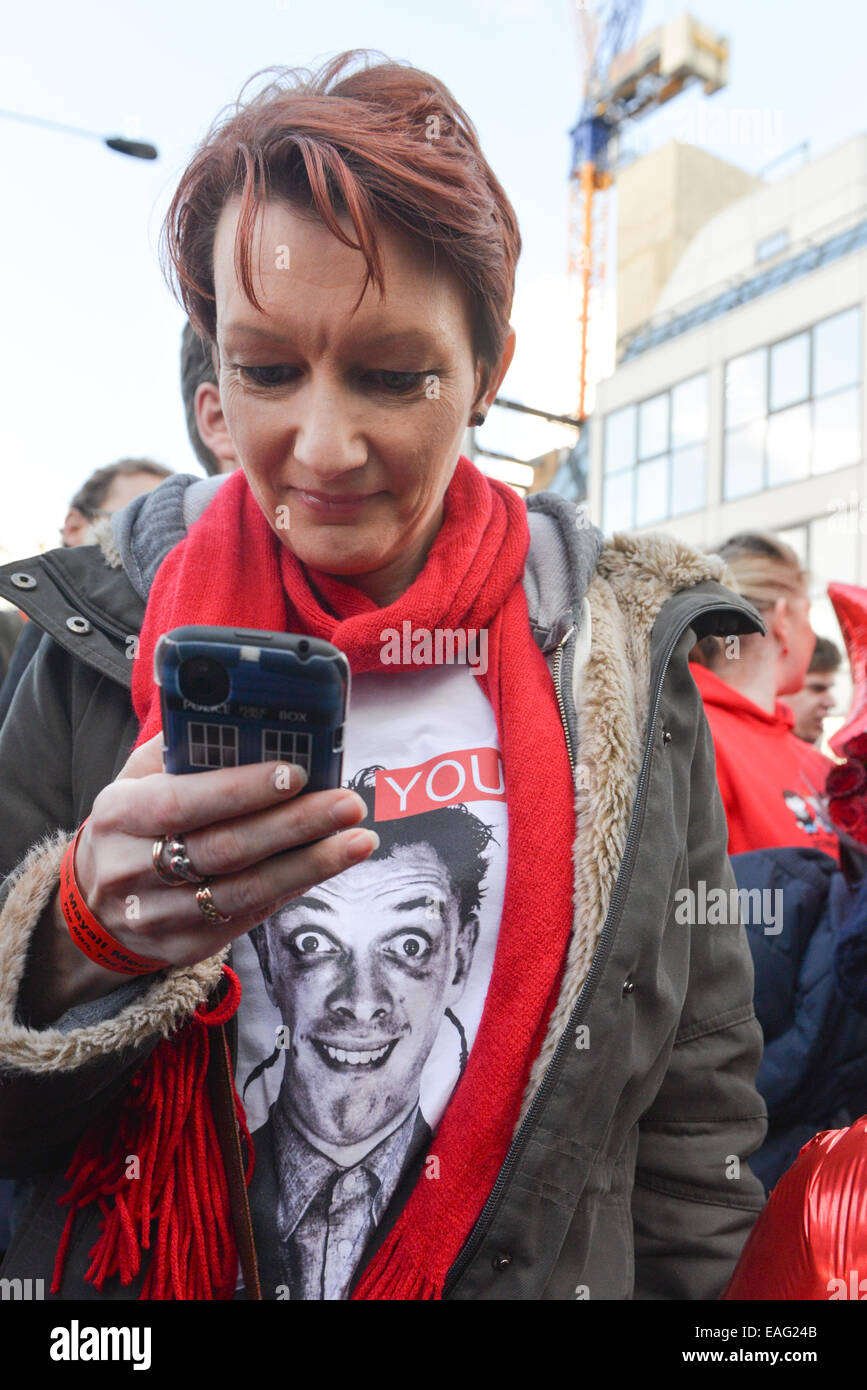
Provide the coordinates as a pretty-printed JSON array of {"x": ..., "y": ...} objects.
[{"x": 363, "y": 968}]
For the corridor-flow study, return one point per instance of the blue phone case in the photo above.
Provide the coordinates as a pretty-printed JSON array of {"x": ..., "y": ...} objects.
[{"x": 231, "y": 696}]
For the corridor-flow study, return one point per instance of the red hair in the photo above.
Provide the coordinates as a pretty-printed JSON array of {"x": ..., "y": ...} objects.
[{"x": 381, "y": 142}]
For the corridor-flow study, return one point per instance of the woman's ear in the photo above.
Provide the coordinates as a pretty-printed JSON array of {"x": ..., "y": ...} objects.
[
  {"x": 486, "y": 395},
  {"x": 779, "y": 622}
]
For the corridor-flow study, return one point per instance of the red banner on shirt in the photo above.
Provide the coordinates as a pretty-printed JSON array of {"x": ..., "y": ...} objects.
[{"x": 472, "y": 774}]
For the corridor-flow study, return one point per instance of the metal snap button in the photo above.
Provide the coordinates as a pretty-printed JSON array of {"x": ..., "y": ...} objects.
[
  {"x": 23, "y": 581},
  {"x": 628, "y": 985},
  {"x": 666, "y": 736},
  {"x": 501, "y": 1261},
  {"x": 78, "y": 624}
]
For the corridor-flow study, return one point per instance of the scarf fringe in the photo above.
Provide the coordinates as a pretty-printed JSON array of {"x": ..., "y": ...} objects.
[
  {"x": 396, "y": 1275},
  {"x": 175, "y": 1202}
]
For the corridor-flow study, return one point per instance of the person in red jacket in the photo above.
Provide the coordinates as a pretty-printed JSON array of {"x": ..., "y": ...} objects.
[{"x": 767, "y": 776}]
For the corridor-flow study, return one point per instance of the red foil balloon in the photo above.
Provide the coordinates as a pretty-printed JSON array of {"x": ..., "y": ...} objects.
[
  {"x": 850, "y": 605},
  {"x": 810, "y": 1242}
]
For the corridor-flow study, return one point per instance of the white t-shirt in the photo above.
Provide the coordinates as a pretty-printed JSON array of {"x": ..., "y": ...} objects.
[{"x": 348, "y": 1056}]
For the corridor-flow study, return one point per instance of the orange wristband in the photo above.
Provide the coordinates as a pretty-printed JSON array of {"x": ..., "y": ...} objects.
[{"x": 89, "y": 936}]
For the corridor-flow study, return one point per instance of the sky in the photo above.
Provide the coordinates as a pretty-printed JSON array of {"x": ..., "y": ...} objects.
[{"x": 90, "y": 332}]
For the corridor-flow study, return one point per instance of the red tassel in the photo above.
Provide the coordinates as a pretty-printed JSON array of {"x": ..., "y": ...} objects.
[
  {"x": 397, "y": 1275},
  {"x": 178, "y": 1207}
]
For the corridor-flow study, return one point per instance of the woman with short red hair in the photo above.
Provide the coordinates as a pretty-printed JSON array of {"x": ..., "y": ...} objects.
[{"x": 479, "y": 1056}]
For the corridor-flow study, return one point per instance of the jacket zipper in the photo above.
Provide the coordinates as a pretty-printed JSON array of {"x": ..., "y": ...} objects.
[
  {"x": 558, "y": 687},
  {"x": 479, "y": 1231}
]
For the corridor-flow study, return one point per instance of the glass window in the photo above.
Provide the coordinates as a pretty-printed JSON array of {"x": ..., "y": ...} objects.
[
  {"x": 564, "y": 482},
  {"x": 790, "y": 371},
  {"x": 651, "y": 502},
  {"x": 745, "y": 388},
  {"x": 688, "y": 472},
  {"x": 772, "y": 246},
  {"x": 745, "y": 459},
  {"x": 788, "y": 445},
  {"x": 836, "y": 430},
  {"x": 617, "y": 502},
  {"x": 642, "y": 484},
  {"x": 653, "y": 426},
  {"x": 620, "y": 439},
  {"x": 837, "y": 352},
  {"x": 689, "y": 411},
  {"x": 798, "y": 538},
  {"x": 833, "y": 550}
]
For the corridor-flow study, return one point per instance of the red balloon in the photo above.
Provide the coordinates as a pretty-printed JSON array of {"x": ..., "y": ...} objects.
[
  {"x": 810, "y": 1242},
  {"x": 850, "y": 605}
]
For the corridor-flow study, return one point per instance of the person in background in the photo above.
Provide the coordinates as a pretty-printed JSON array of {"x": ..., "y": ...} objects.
[
  {"x": 813, "y": 1072},
  {"x": 105, "y": 492},
  {"x": 812, "y": 704},
  {"x": 767, "y": 776},
  {"x": 203, "y": 410}
]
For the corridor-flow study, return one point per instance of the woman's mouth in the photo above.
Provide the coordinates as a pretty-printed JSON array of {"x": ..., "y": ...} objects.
[{"x": 335, "y": 505}]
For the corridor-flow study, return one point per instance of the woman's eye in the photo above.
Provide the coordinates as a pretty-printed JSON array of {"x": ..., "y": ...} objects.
[
  {"x": 306, "y": 944},
  {"x": 410, "y": 946},
  {"x": 276, "y": 375},
  {"x": 398, "y": 383}
]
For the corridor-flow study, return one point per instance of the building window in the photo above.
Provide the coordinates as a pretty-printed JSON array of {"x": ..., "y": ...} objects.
[
  {"x": 213, "y": 745},
  {"x": 772, "y": 245},
  {"x": 655, "y": 457},
  {"x": 287, "y": 746},
  {"x": 792, "y": 409}
]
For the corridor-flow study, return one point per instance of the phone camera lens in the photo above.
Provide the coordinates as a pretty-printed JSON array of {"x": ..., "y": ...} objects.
[{"x": 203, "y": 681}]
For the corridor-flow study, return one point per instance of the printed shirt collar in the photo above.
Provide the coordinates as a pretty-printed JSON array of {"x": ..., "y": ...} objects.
[{"x": 306, "y": 1169}]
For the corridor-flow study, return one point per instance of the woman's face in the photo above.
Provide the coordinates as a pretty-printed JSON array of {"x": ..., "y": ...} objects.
[
  {"x": 800, "y": 640},
  {"x": 348, "y": 424}
]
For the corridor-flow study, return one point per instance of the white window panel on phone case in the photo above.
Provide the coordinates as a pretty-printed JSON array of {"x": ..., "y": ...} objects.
[
  {"x": 287, "y": 745},
  {"x": 213, "y": 745}
]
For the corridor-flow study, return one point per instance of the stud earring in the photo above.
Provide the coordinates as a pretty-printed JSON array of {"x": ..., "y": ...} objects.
[{"x": 477, "y": 419}]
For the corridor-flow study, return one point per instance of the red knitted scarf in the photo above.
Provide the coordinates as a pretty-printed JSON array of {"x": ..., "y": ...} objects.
[{"x": 232, "y": 569}]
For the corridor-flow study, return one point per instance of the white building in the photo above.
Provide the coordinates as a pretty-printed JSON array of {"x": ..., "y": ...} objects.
[{"x": 740, "y": 404}]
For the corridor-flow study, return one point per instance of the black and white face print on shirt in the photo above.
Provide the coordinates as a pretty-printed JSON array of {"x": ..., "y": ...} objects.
[
  {"x": 377, "y": 978},
  {"x": 365, "y": 967}
]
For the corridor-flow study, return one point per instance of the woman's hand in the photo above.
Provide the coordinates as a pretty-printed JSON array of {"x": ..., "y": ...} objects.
[{"x": 246, "y": 828}]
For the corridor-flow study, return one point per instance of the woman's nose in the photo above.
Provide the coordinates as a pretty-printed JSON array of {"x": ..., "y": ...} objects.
[{"x": 327, "y": 441}]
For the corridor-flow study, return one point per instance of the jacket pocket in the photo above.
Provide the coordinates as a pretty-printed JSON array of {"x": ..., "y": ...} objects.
[{"x": 597, "y": 1258}]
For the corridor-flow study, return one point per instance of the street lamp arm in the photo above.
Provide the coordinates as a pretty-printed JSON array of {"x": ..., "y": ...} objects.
[{"x": 136, "y": 149}]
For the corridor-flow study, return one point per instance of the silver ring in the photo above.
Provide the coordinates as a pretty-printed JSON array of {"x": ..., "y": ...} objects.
[
  {"x": 179, "y": 869},
  {"x": 207, "y": 906}
]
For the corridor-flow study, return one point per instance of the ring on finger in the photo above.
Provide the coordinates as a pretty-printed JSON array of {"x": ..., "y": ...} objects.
[
  {"x": 179, "y": 861},
  {"x": 207, "y": 906},
  {"x": 179, "y": 869}
]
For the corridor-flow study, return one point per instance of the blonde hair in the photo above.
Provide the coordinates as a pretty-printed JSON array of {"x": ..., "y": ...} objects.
[{"x": 762, "y": 569}]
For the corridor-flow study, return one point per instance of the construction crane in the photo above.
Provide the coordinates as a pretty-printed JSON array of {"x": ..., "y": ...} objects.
[{"x": 622, "y": 80}]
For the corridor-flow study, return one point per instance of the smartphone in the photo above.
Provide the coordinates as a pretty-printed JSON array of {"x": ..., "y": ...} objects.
[{"x": 230, "y": 696}]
